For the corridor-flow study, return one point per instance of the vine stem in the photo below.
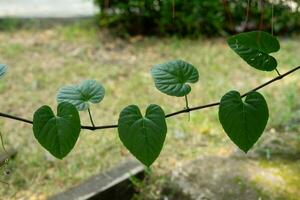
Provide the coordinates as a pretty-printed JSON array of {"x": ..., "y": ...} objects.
[
  {"x": 186, "y": 110},
  {"x": 91, "y": 118}
]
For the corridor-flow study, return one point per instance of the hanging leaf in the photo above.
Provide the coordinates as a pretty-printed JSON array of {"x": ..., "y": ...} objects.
[
  {"x": 3, "y": 70},
  {"x": 80, "y": 95},
  {"x": 172, "y": 78},
  {"x": 255, "y": 47},
  {"x": 244, "y": 122},
  {"x": 143, "y": 136},
  {"x": 58, "y": 134}
]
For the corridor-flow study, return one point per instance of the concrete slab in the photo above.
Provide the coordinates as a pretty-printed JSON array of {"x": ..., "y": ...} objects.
[
  {"x": 47, "y": 8},
  {"x": 114, "y": 184}
]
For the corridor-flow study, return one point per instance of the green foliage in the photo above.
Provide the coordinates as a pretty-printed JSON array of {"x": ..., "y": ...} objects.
[
  {"x": 194, "y": 17},
  {"x": 58, "y": 134},
  {"x": 143, "y": 136},
  {"x": 244, "y": 122},
  {"x": 80, "y": 95},
  {"x": 9, "y": 24},
  {"x": 3, "y": 70},
  {"x": 172, "y": 77},
  {"x": 255, "y": 47}
]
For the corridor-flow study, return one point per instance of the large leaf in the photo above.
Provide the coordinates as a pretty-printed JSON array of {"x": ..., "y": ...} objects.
[
  {"x": 58, "y": 134},
  {"x": 172, "y": 77},
  {"x": 244, "y": 122},
  {"x": 3, "y": 69},
  {"x": 143, "y": 136},
  {"x": 80, "y": 95},
  {"x": 255, "y": 47}
]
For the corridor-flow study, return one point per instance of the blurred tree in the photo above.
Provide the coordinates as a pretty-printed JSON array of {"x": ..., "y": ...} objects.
[{"x": 194, "y": 17}]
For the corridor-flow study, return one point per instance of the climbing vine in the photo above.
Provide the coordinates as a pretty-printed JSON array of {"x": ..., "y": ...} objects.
[{"x": 242, "y": 116}]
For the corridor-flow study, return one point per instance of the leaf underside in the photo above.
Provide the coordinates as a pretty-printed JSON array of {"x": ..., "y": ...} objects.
[
  {"x": 3, "y": 70},
  {"x": 172, "y": 78},
  {"x": 80, "y": 95}
]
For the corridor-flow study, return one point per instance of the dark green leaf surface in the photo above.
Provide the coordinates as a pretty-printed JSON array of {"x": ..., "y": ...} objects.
[
  {"x": 80, "y": 95},
  {"x": 244, "y": 122},
  {"x": 3, "y": 69},
  {"x": 58, "y": 134},
  {"x": 172, "y": 77},
  {"x": 143, "y": 136},
  {"x": 255, "y": 47}
]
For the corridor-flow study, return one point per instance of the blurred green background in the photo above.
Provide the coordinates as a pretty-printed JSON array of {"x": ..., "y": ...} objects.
[{"x": 44, "y": 55}]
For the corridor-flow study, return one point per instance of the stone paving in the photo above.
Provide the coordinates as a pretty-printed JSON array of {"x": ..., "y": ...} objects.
[{"x": 47, "y": 8}]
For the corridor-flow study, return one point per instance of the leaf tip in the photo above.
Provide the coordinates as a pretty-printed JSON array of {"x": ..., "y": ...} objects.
[{"x": 245, "y": 150}]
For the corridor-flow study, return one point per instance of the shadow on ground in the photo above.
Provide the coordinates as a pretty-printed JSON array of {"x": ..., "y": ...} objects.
[{"x": 270, "y": 171}]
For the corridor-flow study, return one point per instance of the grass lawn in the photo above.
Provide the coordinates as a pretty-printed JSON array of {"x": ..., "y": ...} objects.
[{"x": 42, "y": 60}]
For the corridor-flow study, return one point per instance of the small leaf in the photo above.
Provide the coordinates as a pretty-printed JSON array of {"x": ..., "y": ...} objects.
[
  {"x": 255, "y": 47},
  {"x": 80, "y": 95},
  {"x": 172, "y": 77},
  {"x": 3, "y": 70},
  {"x": 58, "y": 134},
  {"x": 244, "y": 122},
  {"x": 143, "y": 136}
]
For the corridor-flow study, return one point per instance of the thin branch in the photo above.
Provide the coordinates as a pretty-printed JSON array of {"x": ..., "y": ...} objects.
[
  {"x": 279, "y": 77},
  {"x": 99, "y": 127},
  {"x": 16, "y": 118}
]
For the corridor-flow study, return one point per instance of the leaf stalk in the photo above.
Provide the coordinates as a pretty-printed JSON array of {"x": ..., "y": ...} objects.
[{"x": 91, "y": 118}]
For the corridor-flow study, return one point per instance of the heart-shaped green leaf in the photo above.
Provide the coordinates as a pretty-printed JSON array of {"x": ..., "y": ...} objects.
[
  {"x": 3, "y": 69},
  {"x": 80, "y": 95},
  {"x": 244, "y": 122},
  {"x": 143, "y": 136},
  {"x": 58, "y": 134},
  {"x": 172, "y": 77},
  {"x": 255, "y": 47}
]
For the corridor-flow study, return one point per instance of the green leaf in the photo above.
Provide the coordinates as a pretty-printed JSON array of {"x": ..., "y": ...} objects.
[
  {"x": 172, "y": 77},
  {"x": 255, "y": 47},
  {"x": 3, "y": 70},
  {"x": 244, "y": 122},
  {"x": 58, "y": 134},
  {"x": 80, "y": 95},
  {"x": 143, "y": 136}
]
